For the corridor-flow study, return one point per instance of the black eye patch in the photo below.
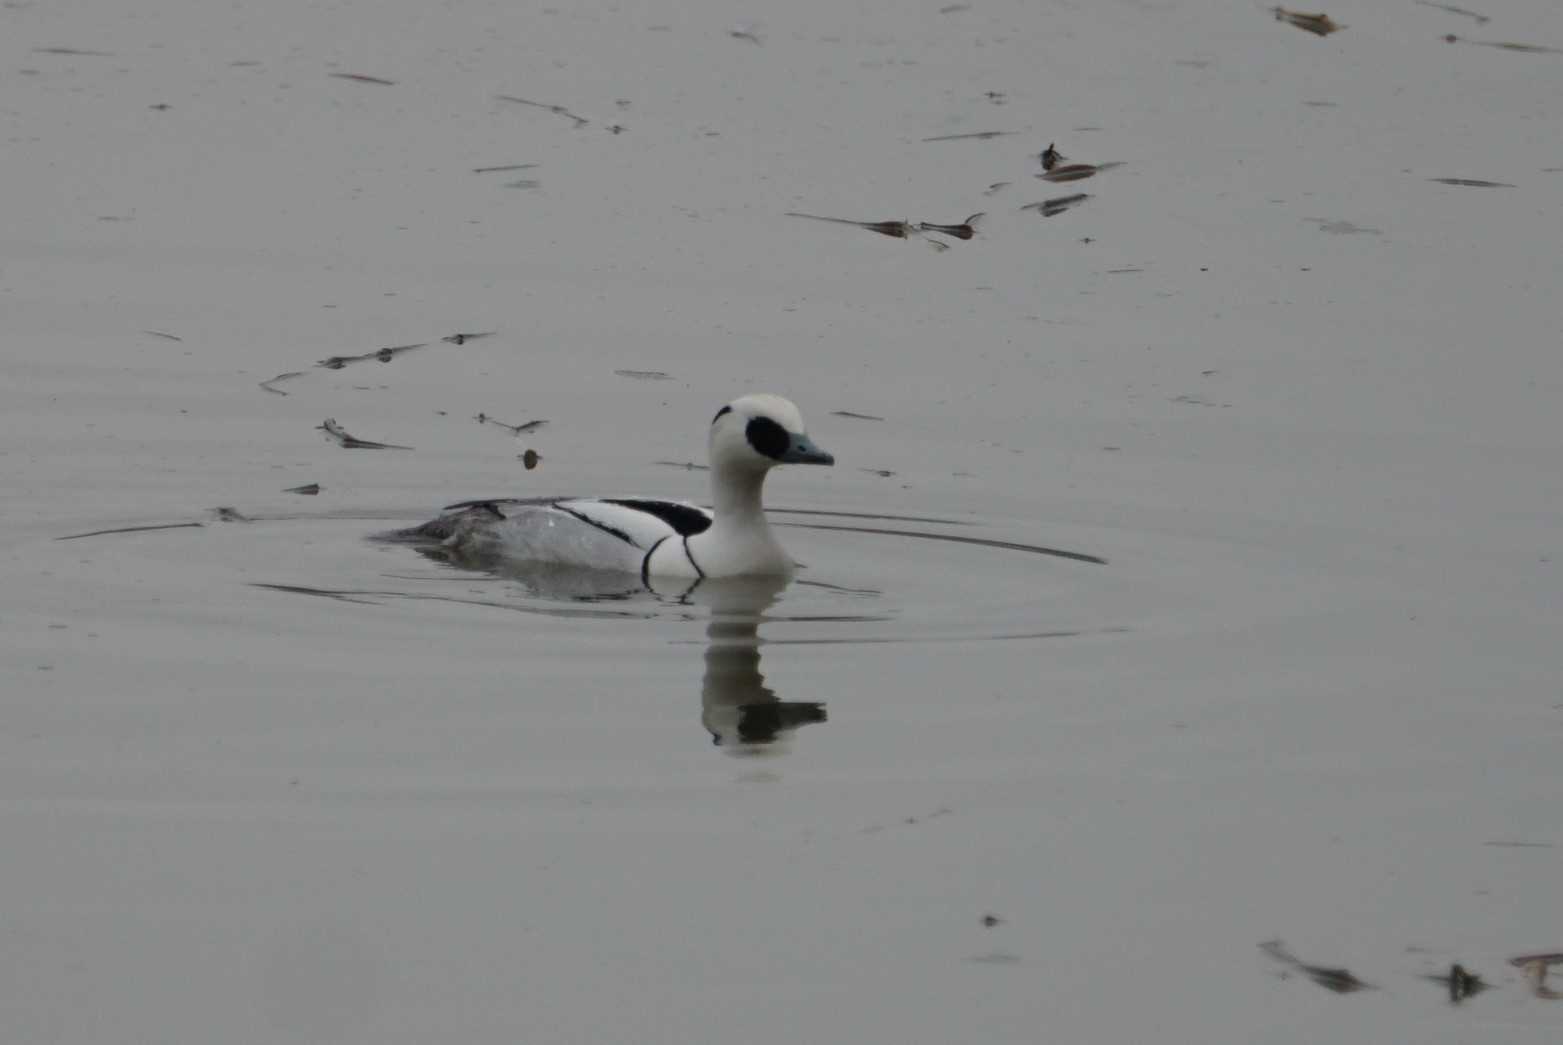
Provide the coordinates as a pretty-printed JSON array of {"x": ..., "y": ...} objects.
[
  {"x": 768, "y": 437},
  {"x": 719, "y": 413}
]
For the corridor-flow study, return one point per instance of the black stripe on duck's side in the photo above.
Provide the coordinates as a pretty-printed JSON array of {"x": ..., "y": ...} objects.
[
  {"x": 691, "y": 557},
  {"x": 645, "y": 564},
  {"x": 604, "y": 527},
  {"x": 686, "y": 520}
]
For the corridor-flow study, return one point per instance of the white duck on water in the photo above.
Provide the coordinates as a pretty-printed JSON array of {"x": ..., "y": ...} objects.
[{"x": 655, "y": 538}]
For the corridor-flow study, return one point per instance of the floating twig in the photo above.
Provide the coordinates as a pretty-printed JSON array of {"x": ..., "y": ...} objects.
[
  {"x": 996, "y": 187},
  {"x": 361, "y": 78},
  {"x": 73, "y": 52},
  {"x": 1504, "y": 45},
  {"x": 308, "y": 489},
  {"x": 558, "y": 110},
  {"x": 645, "y": 375},
  {"x": 162, "y": 334},
  {"x": 530, "y": 426},
  {"x": 855, "y": 416},
  {"x": 1058, "y": 204},
  {"x": 503, "y": 167},
  {"x": 1317, "y": 24},
  {"x": 336, "y": 432},
  {"x": 462, "y": 339},
  {"x": 1473, "y": 183},
  {"x": 893, "y": 229},
  {"x": 132, "y": 529},
  {"x": 384, "y": 355},
  {"x": 290, "y": 375},
  {"x": 688, "y": 466},
  {"x": 972, "y": 136},
  {"x": 1480, "y": 19},
  {"x": 227, "y": 514}
]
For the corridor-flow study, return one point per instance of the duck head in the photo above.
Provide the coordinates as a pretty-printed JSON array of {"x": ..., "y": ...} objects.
[{"x": 755, "y": 433}]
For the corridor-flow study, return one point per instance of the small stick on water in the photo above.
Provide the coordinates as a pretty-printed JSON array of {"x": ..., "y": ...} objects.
[
  {"x": 504, "y": 167},
  {"x": 997, "y": 186},
  {"x": 73, "y": 51},
  {"x": 384, "y": 355},
  {"x": 1473, "y": 183},
  {"x": 645, "y": 375},
  {"x": 1341, "y": 981},
  {"x": 361, "y": 78},
  {"x": 1480, "y": 19},
  {"x": 1058, "y": 204},
  {"x": 131, "y": 529},
  {"x": 337, "y": 433},
  {"x": 308, "y": 489},
  {"x": 1503, "y": 45},
  {"x": 893, "y": 229},
  {"x": 965, "y": 230},
  {"x": 855, "y": 416},
  {"x": 290, "y": 375},
  {"x": 974, "y": 135},
  {"x": 530, "y": 426},
  {"x": 462, "y": 339},
  {"x": 557, "y": 110},
  {"x": 161, "y": 334}
]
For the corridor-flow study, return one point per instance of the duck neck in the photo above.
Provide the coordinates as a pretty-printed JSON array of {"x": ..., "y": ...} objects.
[{"x": 735, "y": 499}]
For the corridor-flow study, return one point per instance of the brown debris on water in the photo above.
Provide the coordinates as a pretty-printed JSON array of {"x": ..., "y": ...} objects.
[
  {"x": 1318, "y": 24},
  {"x": 1056, "y": 167},
  {"x": 963, "y": 230},
  {"x": 462, "y": 339},
  {"x": 340, "y": 436},
  {"x": 1536, "y": 967},
  {"x": 530, "y": 459},
  {"x": 893, "y": 229},
  {"x": 1339, "y": 980},
  {"x": 1058, "y": 204}
]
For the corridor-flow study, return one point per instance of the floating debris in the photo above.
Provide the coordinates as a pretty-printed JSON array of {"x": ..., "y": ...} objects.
[
  {"x": 530, "y": 459},
  {"x": 996, "y": 97},
  {"x": 997, "y": 186},
  {"x": 855, "y": 416},
  {"x": 1473, "y": 183},
  {"x": 883, "y": 473},
  {"x": 462, "y": 339},
  {"x": 558, "y": 110},
  {"x": 290, "y": 375},
  {"x": 1460, "y": 983},
  {"x": 963, "y": 231},
  {"x": 972, "y": 136},
  {"x": 745, "y": 31},
  {"x": 949, "y": 9},
  {"x": 1480, "y": 19},
  {"x": 893, "y": 229},
  {"x": 161, "y": 334},
  {"x": 1503, "y": 45},
  {"x": 384, "y": 355},
  {"x": 991, "y": 920},
  {"x": 1058, "y": 204},
  {"x": 1536, "y": 967},
  {"x": 1521, "y": 845},
  {"x": 226, "y": 514},
  {"x": 1124, "y": 271},
  {"x": 336, "y": 432},
  {"x": 361, "y": 78},
  {"x": 645, "y": 375},
  {"x": 1057, "y": 168},
  {"x": 132, "y": 529},
  {"x": 1341, "y": 981},
  {"x": 76, "y": 52},
  {"x": 524, "y": 183},
  {"x": 530, "y": 426},
  {"x": 1343, "y": 228},
  {"x": 1317, "y": 24},
  {"x": 503, "y": 167},
  {"x": 688, "y": 466},
  {"x": 308, "y": 489}
]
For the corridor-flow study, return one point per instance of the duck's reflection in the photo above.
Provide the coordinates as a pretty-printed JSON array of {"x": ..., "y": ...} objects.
[{"x": 742, "y": 713}]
